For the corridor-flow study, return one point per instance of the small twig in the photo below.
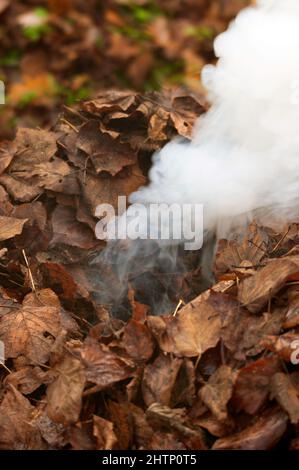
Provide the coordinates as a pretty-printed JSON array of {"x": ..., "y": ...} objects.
[
  {"x": 280, "y": 241},
  {"x": 5, "y": 367},
  {"x": 62, "y": 119},
  {"x": 259, "y": 247},
  {"x": 181, "y": 302},
  {"x": 29, "y": 271}
]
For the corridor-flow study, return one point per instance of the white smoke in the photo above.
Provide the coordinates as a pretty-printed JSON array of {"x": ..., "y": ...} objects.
[{"x": 244, "y": 156}]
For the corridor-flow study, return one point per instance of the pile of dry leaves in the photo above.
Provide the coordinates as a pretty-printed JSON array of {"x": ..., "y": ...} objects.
[
  {"x": 62, "y": 51},
  {"x": 215, "y": 373}
]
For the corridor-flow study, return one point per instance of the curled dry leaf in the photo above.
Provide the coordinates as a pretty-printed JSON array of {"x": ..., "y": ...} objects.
[
  {"x": 253, "y": 384},
  {"x": 10, "y": 227},
  {"x": 256, "y": 291},
  {"x": 192, "y": 332},
  {"x": 263, "y": 434},
  {"x": 232, "y": 254},
  {"x": 159, "y": 380},
  {"x": 27, "y": 379},
  {"x": 122, "y": 421},
  {"x": 107, "y": 154},
  {"x": 137, "y": 341},
  {"x": 104, "y": 367},
  {"x": 104, "y": 433},
  {"x": 287, "y": 395},
  {"x": 17, "y": 430},
  {"x": 67, "y": 230},
  {"x": 285, "y": 346},
  {"x": 176, "y": 420},
  {"x": 218, "y": 391},
  {"x": 64, "y": 394}
]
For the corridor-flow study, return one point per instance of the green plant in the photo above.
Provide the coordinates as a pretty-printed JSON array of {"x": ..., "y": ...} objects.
[
  {"x": 36, "y": 31},
  {"x": 200, "y": 32},
  {"x": 27, "y": 98}
]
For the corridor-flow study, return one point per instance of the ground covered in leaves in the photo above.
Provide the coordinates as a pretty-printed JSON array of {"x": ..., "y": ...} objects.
[
  {"x": 214, "y": 373},
  {"x": 57, "y": 52}
]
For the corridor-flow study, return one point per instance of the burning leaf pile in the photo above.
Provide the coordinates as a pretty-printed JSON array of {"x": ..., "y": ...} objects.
[{"x": 218, "y": 372}]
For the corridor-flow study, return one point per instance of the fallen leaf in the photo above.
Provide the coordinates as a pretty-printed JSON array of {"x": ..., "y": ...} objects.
[
  {"x": 17, "y": 431},
  {"x": 286, "y": 394},
  {"x": 159, "y": 380},
  {"x": 104, "y": 433},
  {"x": 103, "y": 367},
  {"x": 255, "y": 291},
  {"x": 218, "y": 391},
  {"x": 64, "y": 394},
  {"x": 262, "y": 434},
  {"x": 30, "y": 331},
  {"x": 10, "y": 227},
  {"x": 192, "y": 332},
  {"x": 252, "y": 385}
]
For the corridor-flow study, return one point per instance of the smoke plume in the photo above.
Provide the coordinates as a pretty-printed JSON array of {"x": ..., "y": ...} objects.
[{"x": 243, "y": 159}]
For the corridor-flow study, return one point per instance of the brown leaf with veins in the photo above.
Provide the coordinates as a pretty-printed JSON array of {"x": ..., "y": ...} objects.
[
  {"x": 104, "y": 367},
  {"x": 107, "y": 154},
  {"x": 67, "y": 230},
  {"x": 64, "y": 394},
  {"x": 193, "y": 331},
  {"x": 286, "y": 394},
  {"x": 18, "y": 189},
  {"x": 137, "y": 341},
  {"x": 159, "y": 380},
  {"x": 103, "y": 189},
  {"x": 30, "y": 331},
  {"x": 17, "y": 431}
]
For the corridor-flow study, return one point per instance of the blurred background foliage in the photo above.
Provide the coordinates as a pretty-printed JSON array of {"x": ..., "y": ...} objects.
[{"x": 56, "y": 52}]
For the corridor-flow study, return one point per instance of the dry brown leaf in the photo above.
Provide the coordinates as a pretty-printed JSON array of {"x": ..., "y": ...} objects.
[
  {"x": 30, "y": 331},
  {"x": 253, "y": 384},
  {"x": 104, "y": 433},
  {"x": 176, "y": 421},
  {"x": 17, "y": 431},
  {"x": 64, "y": 394},
  {"x": 262, "y": 434},
  {"x": 27, "y": 379},
  {"x": 122, "y": 421},
  {"x": 107, "y": 154},
  {"x": 10, "y": 227},
  {"x": 256, "y": 291},
  {"x": 286, "y": 394},
  {"x": 159, "y": 380},
  {"x": 218, "y": 391},
  {"x": 67, "y": 230},
  {"x": 137, "y": 341},
  {"x": 104, "y": 367},
  {"x": 192, "y": 332}
]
